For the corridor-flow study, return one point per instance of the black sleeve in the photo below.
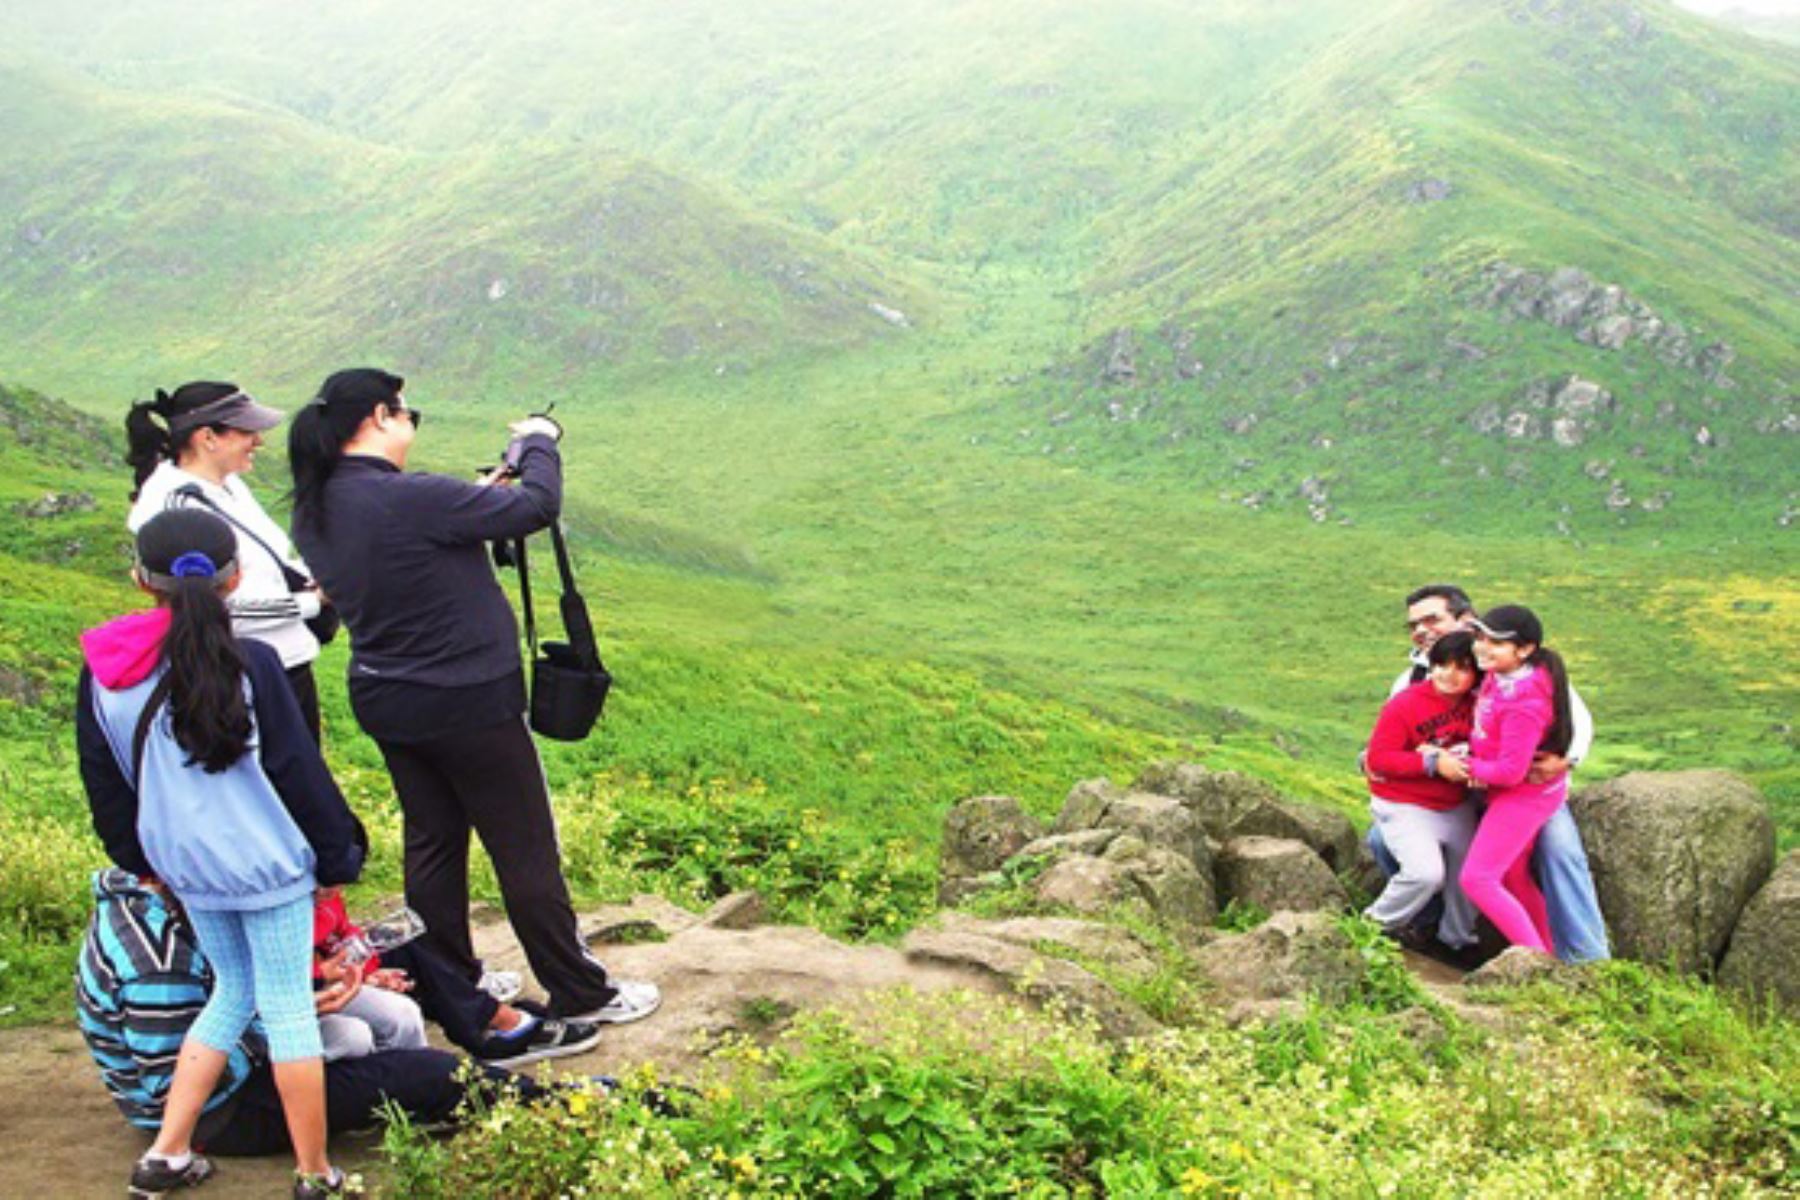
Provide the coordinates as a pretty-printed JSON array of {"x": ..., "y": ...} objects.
[
  {"x": 112, "y": 800},
  {"x": 293, "y": 764},
  {"x": 457, "y": 513}
]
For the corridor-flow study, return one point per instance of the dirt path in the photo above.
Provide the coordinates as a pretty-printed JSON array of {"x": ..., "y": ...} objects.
[{"x": 61, "y": 1136}]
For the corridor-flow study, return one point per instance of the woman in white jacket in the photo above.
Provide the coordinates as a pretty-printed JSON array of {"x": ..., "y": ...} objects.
[{"x": 190, "y": 448}]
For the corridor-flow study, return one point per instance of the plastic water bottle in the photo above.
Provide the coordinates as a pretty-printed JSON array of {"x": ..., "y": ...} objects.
[{"x": 394, "y": 930}]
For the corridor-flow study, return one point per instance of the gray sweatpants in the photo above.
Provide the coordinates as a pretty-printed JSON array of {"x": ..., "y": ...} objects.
[{"x": 1429, "y": 846}]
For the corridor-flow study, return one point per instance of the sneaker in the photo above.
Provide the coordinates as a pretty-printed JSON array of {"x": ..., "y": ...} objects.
[
  {"x": 324, "y": 1187},
  {"x": 151, "y": 1178},
  {"x": 549, "y": 1038},
  {"x": 503, "y": 986},
  {"x": 632, "y": 1002}
]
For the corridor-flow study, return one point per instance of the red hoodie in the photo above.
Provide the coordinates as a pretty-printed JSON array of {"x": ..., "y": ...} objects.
[
  {"x": 1417, "y": 718},
  {"x": 332, "y": 927}
]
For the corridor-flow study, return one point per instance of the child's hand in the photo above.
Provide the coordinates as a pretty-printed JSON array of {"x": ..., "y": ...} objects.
[
  {"x": 342, "y": 982},
  {"x": 391, "y": 979}
]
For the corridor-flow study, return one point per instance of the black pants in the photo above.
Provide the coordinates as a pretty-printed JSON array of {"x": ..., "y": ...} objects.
[
  {"x": 306, "y": 691},
  {"x": 445, "y": 993},
  {"x": 422, "y": 1082},
  {"x": 490, "y": 780}
]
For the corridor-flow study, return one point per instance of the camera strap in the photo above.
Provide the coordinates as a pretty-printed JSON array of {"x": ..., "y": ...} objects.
[{"x": 577, "y": 624}]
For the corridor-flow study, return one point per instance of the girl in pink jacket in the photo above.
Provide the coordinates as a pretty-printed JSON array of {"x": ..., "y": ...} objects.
[{"x": 1523, "y": 707}]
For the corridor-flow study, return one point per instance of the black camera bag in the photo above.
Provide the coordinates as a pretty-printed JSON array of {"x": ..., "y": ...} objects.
[{"x": 569, "y": 683}]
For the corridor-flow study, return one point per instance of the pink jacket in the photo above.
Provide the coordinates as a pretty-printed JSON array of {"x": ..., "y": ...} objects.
[{"x": 1512, "y": 713}]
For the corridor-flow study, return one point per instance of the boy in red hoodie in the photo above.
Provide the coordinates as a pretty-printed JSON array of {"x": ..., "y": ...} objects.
[{"x": 1419, "y": 772}]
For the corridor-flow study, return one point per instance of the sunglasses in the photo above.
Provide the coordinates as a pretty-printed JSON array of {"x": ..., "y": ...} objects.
[{"x": 411, "y": 414}]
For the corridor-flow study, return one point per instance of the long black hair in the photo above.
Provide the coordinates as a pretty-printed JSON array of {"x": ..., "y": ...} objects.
[
  {"x": 317, "y": 435},
  {"x": 149, "y": 442},
  {"x": 185, "y": 555},
  {"x": 1516, "y": 623}
]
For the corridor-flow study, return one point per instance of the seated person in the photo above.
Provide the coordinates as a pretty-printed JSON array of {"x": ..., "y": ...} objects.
[
  {"x": 366, "y": 1008},
  {"x": 141, "y": 981},
  {"x": 1418, "y": 778}
]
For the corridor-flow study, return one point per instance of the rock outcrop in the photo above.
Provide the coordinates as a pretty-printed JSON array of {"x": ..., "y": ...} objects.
[
  {"x": 1676, "y": 856},
  {"x": 1764, "y": 956},
  {"x": 1230, "y": 805},
  {"x": 1601, "y": 314},
  {"x": 1277, "y": 873},
  {"x": 980, "y": 834},
  {"x": 1270, "y": 970}
]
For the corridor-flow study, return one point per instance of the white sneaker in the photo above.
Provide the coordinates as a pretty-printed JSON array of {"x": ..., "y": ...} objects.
[
  {"x": 503, "y": 986},
  {"x": 634, "y": 1002}
]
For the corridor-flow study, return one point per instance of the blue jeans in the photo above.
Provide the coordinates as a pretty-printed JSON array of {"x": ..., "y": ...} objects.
[{"x": 1560, "y": 863}]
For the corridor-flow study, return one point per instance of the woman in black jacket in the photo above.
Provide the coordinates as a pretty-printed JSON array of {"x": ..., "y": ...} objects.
[{"x": 435, "y": 672}]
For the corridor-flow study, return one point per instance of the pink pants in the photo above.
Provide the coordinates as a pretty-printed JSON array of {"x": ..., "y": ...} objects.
[{"x": 1496, "y": 875}]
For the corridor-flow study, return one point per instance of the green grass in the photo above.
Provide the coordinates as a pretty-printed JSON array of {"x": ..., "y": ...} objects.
[{"x": 953, "y": 1092}]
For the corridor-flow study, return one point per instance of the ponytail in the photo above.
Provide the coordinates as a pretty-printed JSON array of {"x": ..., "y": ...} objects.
[
  {"x": 147, "y": 443},
  {"x": 316, "y": 436},
  {"x": 205, "y": 667},
  {"x": 185, "y": 556},
  {"x": 1562, "y": 726}
]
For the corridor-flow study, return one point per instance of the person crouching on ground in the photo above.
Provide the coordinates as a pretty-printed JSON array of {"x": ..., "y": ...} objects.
[
  {"x": 382, "y": 1002},
  {"x": 1522, "y": 708},
  {"x": 201, "y": 772},
  {"x": 1418, "y": 782}
]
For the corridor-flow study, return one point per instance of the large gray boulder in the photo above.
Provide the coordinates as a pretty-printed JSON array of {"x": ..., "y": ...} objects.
[
  {"x": 1230, "y": 804},
  {"x": 1277, "y": 873},
  {"x": 1085, "y": 805},
  {"x": 1179, "y": 894},
  {"x": 1271, "y": 969},
  {"x": 1086, "y": 884},
  {"x": 1160, "y": 821},
  {"x": 980, "y": 834},
  {"x": 1764, "y": 956},
  {"x": 1675, "y": 856}
]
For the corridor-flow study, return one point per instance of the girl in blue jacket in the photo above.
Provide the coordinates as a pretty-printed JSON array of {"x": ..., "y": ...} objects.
[{"x": 201, "y": 773}]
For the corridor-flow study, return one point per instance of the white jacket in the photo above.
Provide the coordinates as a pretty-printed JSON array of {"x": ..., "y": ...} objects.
[{"x": 262, "y": 607}]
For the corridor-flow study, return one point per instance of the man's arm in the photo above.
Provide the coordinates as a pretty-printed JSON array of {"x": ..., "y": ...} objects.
[{"x": 1582, "y": 740}]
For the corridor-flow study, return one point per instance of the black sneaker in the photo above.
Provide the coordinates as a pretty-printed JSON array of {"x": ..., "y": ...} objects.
[
  {"x": 549, "y": 1038},
  {"x": 153, "y": 1178}
]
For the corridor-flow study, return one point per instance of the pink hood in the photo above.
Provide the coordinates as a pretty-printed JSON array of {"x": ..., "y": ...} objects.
[{"x": 126, "y": 649}]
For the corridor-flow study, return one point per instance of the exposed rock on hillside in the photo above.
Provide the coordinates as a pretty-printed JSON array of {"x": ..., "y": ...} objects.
[
  {"x": 1278, "y": 873},
  {"x": 1675, "y": 857},
  {"x": 1601, "y": 314},
  {"x": 1230, "y": 805},
  {"x": 1764, "y": 956},
  {"x": 1566, "y": 411},
  {"x": 1269, "y": 970}
]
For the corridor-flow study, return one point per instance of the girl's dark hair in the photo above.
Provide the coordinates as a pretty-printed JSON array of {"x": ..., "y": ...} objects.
[
  {"x": 317, "y": 435},
  {"x": 205, "y": 666},
  {"x": 1458, "y": 647},
  {"x": 1562, "y": 727},
  {"x": 148, "y": 442}
]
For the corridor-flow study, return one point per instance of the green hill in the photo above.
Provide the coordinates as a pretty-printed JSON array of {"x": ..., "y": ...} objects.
[{"x": 1123, "y": 363}]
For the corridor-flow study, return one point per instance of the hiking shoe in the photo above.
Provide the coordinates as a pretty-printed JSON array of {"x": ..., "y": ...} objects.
[
  {"x": 152, "y": 1178},
  {"x": 324, "y": 1187},
  {"x": 503, "y": 986},
  {"x": 632, "y": 1002},
  {"x": 548, "y": 1038}
]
